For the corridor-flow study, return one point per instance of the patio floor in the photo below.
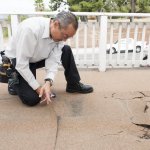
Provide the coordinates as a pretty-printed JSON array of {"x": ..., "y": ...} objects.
[{"x": 116, "y": 116}]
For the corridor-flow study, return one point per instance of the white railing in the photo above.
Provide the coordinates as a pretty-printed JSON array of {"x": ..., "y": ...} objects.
[{"x": 92, "y": 38}]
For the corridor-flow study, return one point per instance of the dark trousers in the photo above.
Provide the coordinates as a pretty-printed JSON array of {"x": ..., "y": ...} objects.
[{"x": 29, "y": 96}]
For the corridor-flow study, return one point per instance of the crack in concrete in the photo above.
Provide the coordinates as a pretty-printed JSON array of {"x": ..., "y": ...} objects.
[
  {"x": 57, "y": 130},
  {"x": 146, "y": 135},
  {"x": 146, "y": 130},
  {"x": 145, "y": 109},
  {"x": 113, "y": 134},
  {"x": 113, "y": 95},
  {"x": 138, "y": 97},
  {"x": 144, "y": 94},
  {"x": 145, "y": 126}
]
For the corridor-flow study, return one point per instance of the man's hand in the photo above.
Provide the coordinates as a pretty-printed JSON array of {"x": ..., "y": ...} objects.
[{"x": 44, "y": 92}]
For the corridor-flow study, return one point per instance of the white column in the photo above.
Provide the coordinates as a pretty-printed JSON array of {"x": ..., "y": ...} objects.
[
  {"x": 103, "y": 43},
  {"x": 1, "y": 38},
  {"x": 14, "y": 23}
]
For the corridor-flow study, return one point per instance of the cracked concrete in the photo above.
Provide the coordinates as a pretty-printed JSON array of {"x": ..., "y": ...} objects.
[{"x": 115, "y": 116}]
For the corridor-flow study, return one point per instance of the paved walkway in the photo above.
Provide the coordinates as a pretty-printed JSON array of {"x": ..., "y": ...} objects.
[{"x": 116, "y": 116}]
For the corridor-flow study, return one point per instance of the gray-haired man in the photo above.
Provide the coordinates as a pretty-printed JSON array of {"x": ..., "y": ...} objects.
[{"x": 39, "y": 42}]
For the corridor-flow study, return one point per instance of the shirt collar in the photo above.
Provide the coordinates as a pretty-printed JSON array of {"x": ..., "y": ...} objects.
[{"x": 47, "y": 31}]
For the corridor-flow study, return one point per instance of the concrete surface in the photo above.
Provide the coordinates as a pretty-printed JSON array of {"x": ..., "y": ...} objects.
[{"x": 116, "y": 116}]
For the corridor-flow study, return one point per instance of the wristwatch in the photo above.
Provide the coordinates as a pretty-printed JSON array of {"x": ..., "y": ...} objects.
[{"x": 50, "y": 81}]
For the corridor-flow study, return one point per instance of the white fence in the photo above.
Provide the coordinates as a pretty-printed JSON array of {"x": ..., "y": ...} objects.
[{"x": 91, "y": 42}]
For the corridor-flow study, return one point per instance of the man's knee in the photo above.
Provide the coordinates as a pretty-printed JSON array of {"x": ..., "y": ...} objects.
[
  {"x": 66, "y": 53},
  {"x": 30, "y": 100},
  {"x": 66, "y": 48}
]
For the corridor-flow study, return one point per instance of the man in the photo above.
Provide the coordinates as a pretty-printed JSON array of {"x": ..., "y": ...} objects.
[{"x": 39, "y": 42}]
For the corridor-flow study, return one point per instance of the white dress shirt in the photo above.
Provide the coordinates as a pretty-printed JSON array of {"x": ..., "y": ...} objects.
[{"x": 32, "y": 44}]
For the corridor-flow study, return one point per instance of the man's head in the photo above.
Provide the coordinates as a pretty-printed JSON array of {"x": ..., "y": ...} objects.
[{"x": 63, "y": 26}]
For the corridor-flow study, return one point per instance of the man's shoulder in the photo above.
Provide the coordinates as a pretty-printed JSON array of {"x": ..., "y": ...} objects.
[
  {"x": 34, "y": 23},
  {"x": 37, "y": 18},
  {"x": 34, "y": 20}
]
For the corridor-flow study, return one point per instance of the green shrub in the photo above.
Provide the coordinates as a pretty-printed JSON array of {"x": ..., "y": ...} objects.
[{"x": 5, "y": 32}]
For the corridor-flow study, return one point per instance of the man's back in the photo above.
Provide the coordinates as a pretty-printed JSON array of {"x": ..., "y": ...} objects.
[{"x": 32, "y": 39}]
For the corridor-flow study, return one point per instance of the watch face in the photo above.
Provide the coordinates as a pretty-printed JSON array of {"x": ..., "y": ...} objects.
[{"x": 50, "y": 80}]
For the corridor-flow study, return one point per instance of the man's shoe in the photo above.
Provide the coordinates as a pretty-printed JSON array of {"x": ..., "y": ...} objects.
[
  {"x": 11, "y": 90},
  {"x": 79, "y": 88}
]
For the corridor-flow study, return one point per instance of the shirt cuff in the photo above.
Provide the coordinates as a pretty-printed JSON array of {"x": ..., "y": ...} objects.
[
  {"x": 34, "y": 84},
  {"x": 50, "y": 75}
]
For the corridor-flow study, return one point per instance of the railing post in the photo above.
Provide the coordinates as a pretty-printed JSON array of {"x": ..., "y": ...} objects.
[
  {"x": 103, "y": 43},
  {"x": 1, "y": 38},
  {"x": 14, "y": 23},
  {"x": 9, "y": 33}
]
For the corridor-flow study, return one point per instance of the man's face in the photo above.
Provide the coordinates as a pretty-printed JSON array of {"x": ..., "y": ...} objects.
[{"x": 61, "y": 34}]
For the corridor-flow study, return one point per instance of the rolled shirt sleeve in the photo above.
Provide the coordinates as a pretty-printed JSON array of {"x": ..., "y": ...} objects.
[
  {"x": 24, "y": 50},
  {"x": 53, "y": 61}
]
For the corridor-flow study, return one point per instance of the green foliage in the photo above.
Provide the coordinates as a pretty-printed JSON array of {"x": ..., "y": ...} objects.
[
  {"x": 54, "y": 4},
  {"x": 141, "y": 6},
  {"x": 85, "y": 5},
  {"x": 22, "y": 17},
  {"x": 39, "y": 5},
  {"x": 5, "y": 32},
  {"x": 75, "y": 8}
]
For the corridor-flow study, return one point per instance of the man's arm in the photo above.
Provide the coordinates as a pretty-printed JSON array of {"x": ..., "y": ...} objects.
[
  {"x": 26, "y": 43},
  {"x": 51, "y": 66},
  {"x": 53, "y": 61}
]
